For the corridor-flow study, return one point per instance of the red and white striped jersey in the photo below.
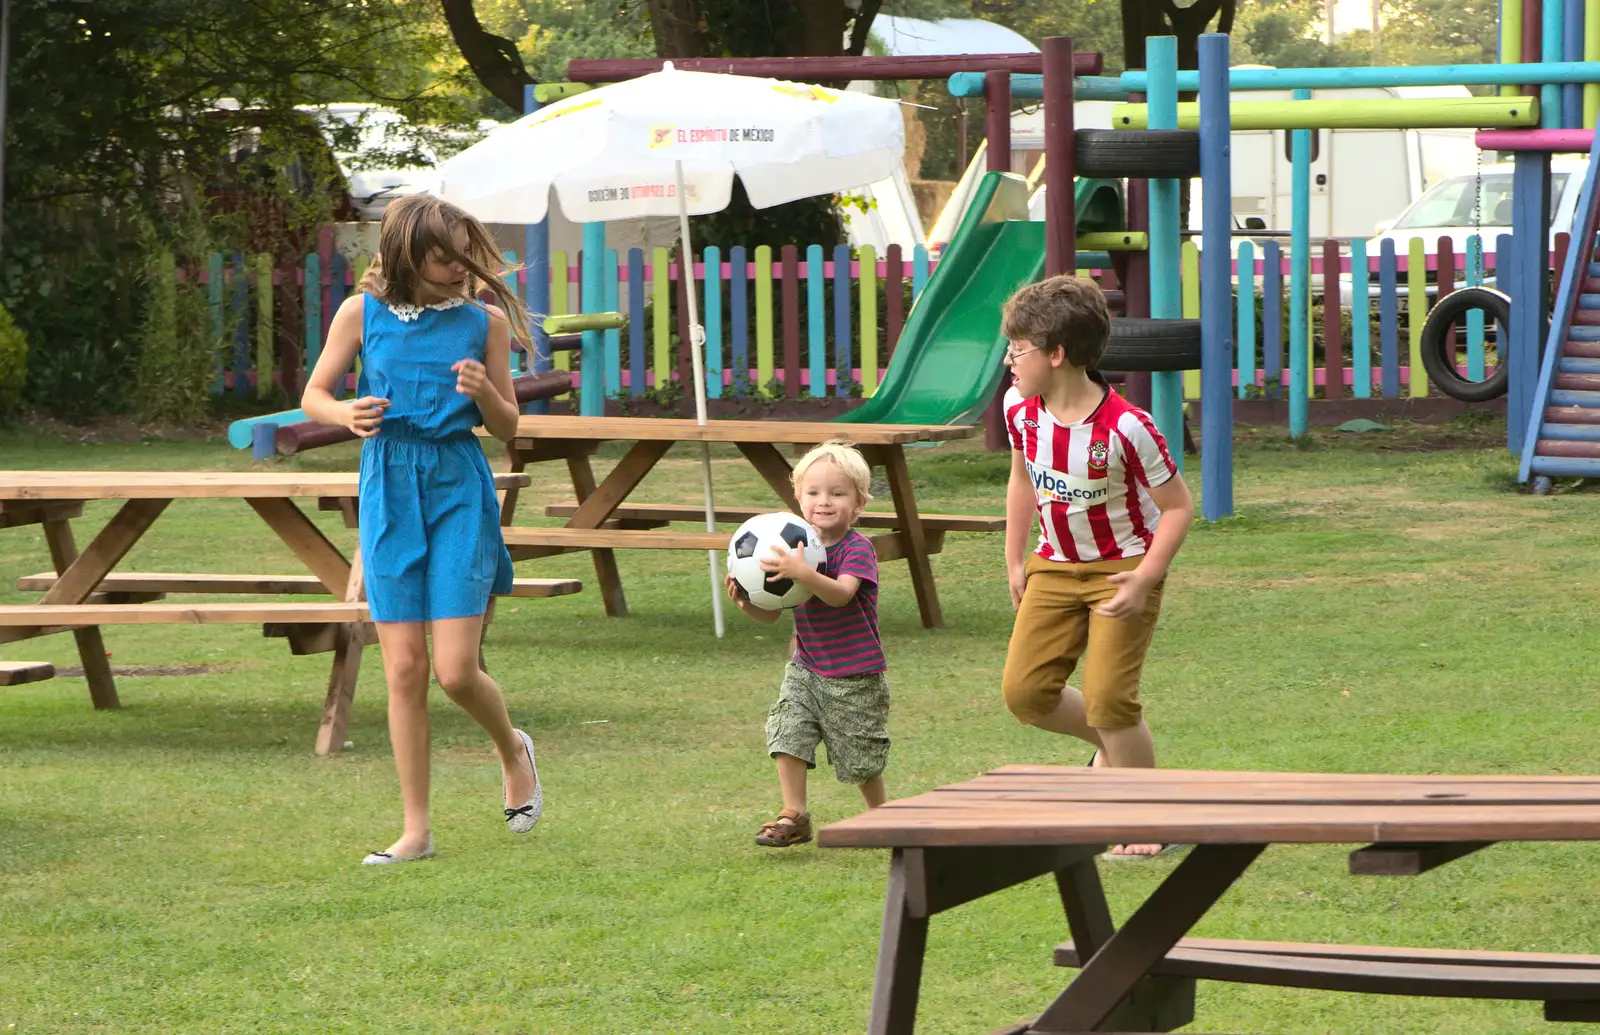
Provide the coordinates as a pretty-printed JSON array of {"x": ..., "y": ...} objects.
[{"x": 1091, "y": 479}]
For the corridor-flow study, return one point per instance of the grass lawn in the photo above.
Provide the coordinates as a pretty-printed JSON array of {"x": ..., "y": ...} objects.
[{"x": 185, "y": 864}]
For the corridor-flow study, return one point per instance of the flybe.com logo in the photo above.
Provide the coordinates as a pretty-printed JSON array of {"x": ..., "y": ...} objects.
[{"x": 1065, "y": 488}]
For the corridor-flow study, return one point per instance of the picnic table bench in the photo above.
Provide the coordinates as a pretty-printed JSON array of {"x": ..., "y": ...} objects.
[
  {"x": 959, "y": 843},
  {"x": 601, "y": 520},
  {"x": 83, "y": 592}
]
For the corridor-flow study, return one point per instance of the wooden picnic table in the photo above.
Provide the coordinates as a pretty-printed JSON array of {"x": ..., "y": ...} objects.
[
  {"x": 601, "y": 520},
  {"x": 83, "y": 591},
  {"x": 958, "y": 843}
]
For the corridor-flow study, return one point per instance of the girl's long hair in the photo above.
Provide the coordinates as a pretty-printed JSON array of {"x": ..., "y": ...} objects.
[{"x": 415, "y": 225}]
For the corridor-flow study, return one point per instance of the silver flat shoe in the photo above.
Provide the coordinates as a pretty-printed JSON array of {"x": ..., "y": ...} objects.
[
  {"x": 522, "y": 819},
  {"x": 386, "y": 859}
]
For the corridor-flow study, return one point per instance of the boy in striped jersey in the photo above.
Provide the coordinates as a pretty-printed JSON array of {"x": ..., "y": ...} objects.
[
  {"x": 833, "y": 690},
  {"x": 1093, "y": 475}
]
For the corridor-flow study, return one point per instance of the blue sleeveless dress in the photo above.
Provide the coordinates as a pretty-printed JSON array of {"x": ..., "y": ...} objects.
[{"x": 430, "y": 521}]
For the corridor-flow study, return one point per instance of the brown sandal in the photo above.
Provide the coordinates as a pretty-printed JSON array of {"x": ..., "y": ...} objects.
[{"x": 790, "y": 828}]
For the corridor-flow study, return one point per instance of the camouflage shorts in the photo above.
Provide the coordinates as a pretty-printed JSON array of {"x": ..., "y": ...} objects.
[{"x": 847, "y": 715}]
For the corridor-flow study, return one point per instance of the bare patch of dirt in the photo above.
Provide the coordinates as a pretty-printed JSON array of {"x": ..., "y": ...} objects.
[
  {"x": 152, "y": 670},
  {"x": 121, "y": 429}
]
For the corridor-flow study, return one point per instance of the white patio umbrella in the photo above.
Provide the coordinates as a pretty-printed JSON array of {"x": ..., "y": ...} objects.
[{"x": 670, "y": 143}]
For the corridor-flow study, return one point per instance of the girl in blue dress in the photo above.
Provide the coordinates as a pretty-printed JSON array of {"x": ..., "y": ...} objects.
[{"x": 434, "y": 364}]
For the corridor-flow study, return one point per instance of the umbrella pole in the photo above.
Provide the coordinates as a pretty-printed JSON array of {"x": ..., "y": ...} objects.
[{"x": 697, "y": 337}]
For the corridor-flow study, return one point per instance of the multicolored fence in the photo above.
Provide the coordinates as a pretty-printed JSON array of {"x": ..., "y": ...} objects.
[
  {"x": 787, "y": 322},
  {"x": 781, "y": 322}
]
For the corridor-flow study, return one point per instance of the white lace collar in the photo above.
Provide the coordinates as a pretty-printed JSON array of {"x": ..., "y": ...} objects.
[{"x": 408, "y": 312}]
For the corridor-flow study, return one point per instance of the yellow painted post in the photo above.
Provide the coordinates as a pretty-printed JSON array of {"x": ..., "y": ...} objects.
[
  {"x": 661, "y": 317},
  {"x": 559, "y": 305},
  {"x": 1511, "y": 41},
  {"x": 764, "y": 360},
  {"x": 266, "y": 328},
  {"x": 1591, "y": 52},
  {"x": 869, "y": 320},
  {"x": 1189, "y": 271},
  {"x": 1416, "y": 313}
]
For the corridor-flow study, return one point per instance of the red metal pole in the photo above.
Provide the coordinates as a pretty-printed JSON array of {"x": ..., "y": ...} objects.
[
  {"x": 1060, "y": 230},
  {"x": 811, "y": 69}
]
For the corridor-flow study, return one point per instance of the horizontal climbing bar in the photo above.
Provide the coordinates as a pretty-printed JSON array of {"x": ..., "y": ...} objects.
[
  {"x": 1555, "y": 141},
  {"x": 1115, "y": 241},
  {"x": 1118, "y": 87},
  {"x": 1409, "y": 113},
  {"x": 570, "y": 322}
]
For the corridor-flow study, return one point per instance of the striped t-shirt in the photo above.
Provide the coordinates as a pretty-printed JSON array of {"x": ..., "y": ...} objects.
[
  {"x": 843, "y": 641},
  {"x": 1091, "y": 479}
]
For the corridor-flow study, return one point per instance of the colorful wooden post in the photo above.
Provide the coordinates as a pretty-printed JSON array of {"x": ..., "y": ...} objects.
[
  {"x": 661, "y": 318},
  {"x": 739, "y": 320},
  {"x": 816, "y": 323},
  {"x": 868, "y": 286},
  {"x": 1166, "y": 287},
  {"x": 712, "y": 259},
  {"x": 1388, "y": 320},
  {"x": 843, "y": 367},
  {"x": 1247, "y": 318},
  {"x": 1360, "y": 320},
  {"x": 215, "y": 276},
  {"x": 638, "y": 370},
  {"x": 790, "y": 258},
  {"x": 536, "y": 280},
  {"x": 1216, "y": 285},
  {"x": 611, "y": 339},
  {"x": 266, "y": 327},
  {"x": 765, "y": 362},
  {"x": 1332, "y": 332},
  {"x": 1272, "y": 318},
  {"x": 241, "y": 327},
  {"x": 1300, "y": 277}
]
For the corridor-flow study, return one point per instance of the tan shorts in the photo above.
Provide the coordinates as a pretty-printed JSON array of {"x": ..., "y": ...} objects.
[{"x": 1054, "y": 628}]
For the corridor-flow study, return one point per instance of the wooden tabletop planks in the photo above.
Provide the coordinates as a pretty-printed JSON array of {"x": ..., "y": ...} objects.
[
  {"x": 1038, "y": 805},
  {"x": 648, "y": 429},
  {"x": 168, "y": 485}
]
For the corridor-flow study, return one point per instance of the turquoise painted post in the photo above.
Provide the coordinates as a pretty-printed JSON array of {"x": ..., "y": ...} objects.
[
  {"x": 713, "y": 318},
  {"x": 1300, "y": 280},
  {"x": 1166, "y": 290},
  {"x": 1550, "y": 52},
  {"x": 1475, "y": 369},
  {"x": 1360, "y": 319},
  {"x": 1247, "y": 317},
  {"x": 613, "y": 338},
  {"x": 817, "y": 317},
  {"x": 214, "y": 278},
  {"x": 592, "y": 371},
  {"x": 313, "y": 293},
  {"x": 919, "y": 268}
]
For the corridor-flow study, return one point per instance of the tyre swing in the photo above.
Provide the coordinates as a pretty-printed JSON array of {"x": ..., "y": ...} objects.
[{"x": 1438, "y": 340}]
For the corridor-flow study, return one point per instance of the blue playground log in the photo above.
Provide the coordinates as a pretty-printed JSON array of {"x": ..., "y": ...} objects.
[
  {"x": 1117, "y": 88},
  {"x": 241, "y": 433},
  {"x": 1166, "y": 291}
]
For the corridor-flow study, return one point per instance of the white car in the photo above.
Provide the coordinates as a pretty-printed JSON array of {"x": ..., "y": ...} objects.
[
  {"x": 1463, "y": 206},
  {"x": 381, "y": 158}
]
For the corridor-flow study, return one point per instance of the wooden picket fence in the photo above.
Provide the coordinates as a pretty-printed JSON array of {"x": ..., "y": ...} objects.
[{"x": 790, "y": 321}]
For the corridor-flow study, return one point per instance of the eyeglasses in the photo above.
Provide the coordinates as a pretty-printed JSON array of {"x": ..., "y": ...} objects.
[{"x": 1012, "y": 356}]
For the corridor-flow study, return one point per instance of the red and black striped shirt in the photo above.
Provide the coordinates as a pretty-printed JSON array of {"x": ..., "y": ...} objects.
[{"x": 843, "y": 641}]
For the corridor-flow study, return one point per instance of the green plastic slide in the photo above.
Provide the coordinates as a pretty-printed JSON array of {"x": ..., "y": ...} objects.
[{"x": 946, "y": 364}]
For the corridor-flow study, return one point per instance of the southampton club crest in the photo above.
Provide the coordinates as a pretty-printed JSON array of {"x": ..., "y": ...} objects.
[{"x": 1099, "y": 452}]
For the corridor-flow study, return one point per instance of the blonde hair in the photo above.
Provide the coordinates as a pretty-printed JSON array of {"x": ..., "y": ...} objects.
[
  {"x": 416, "y": 224},
  {"x": 843, "y": 456}
]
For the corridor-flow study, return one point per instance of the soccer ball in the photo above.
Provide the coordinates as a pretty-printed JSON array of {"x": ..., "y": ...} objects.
[{"x": 755, "y": 540}]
